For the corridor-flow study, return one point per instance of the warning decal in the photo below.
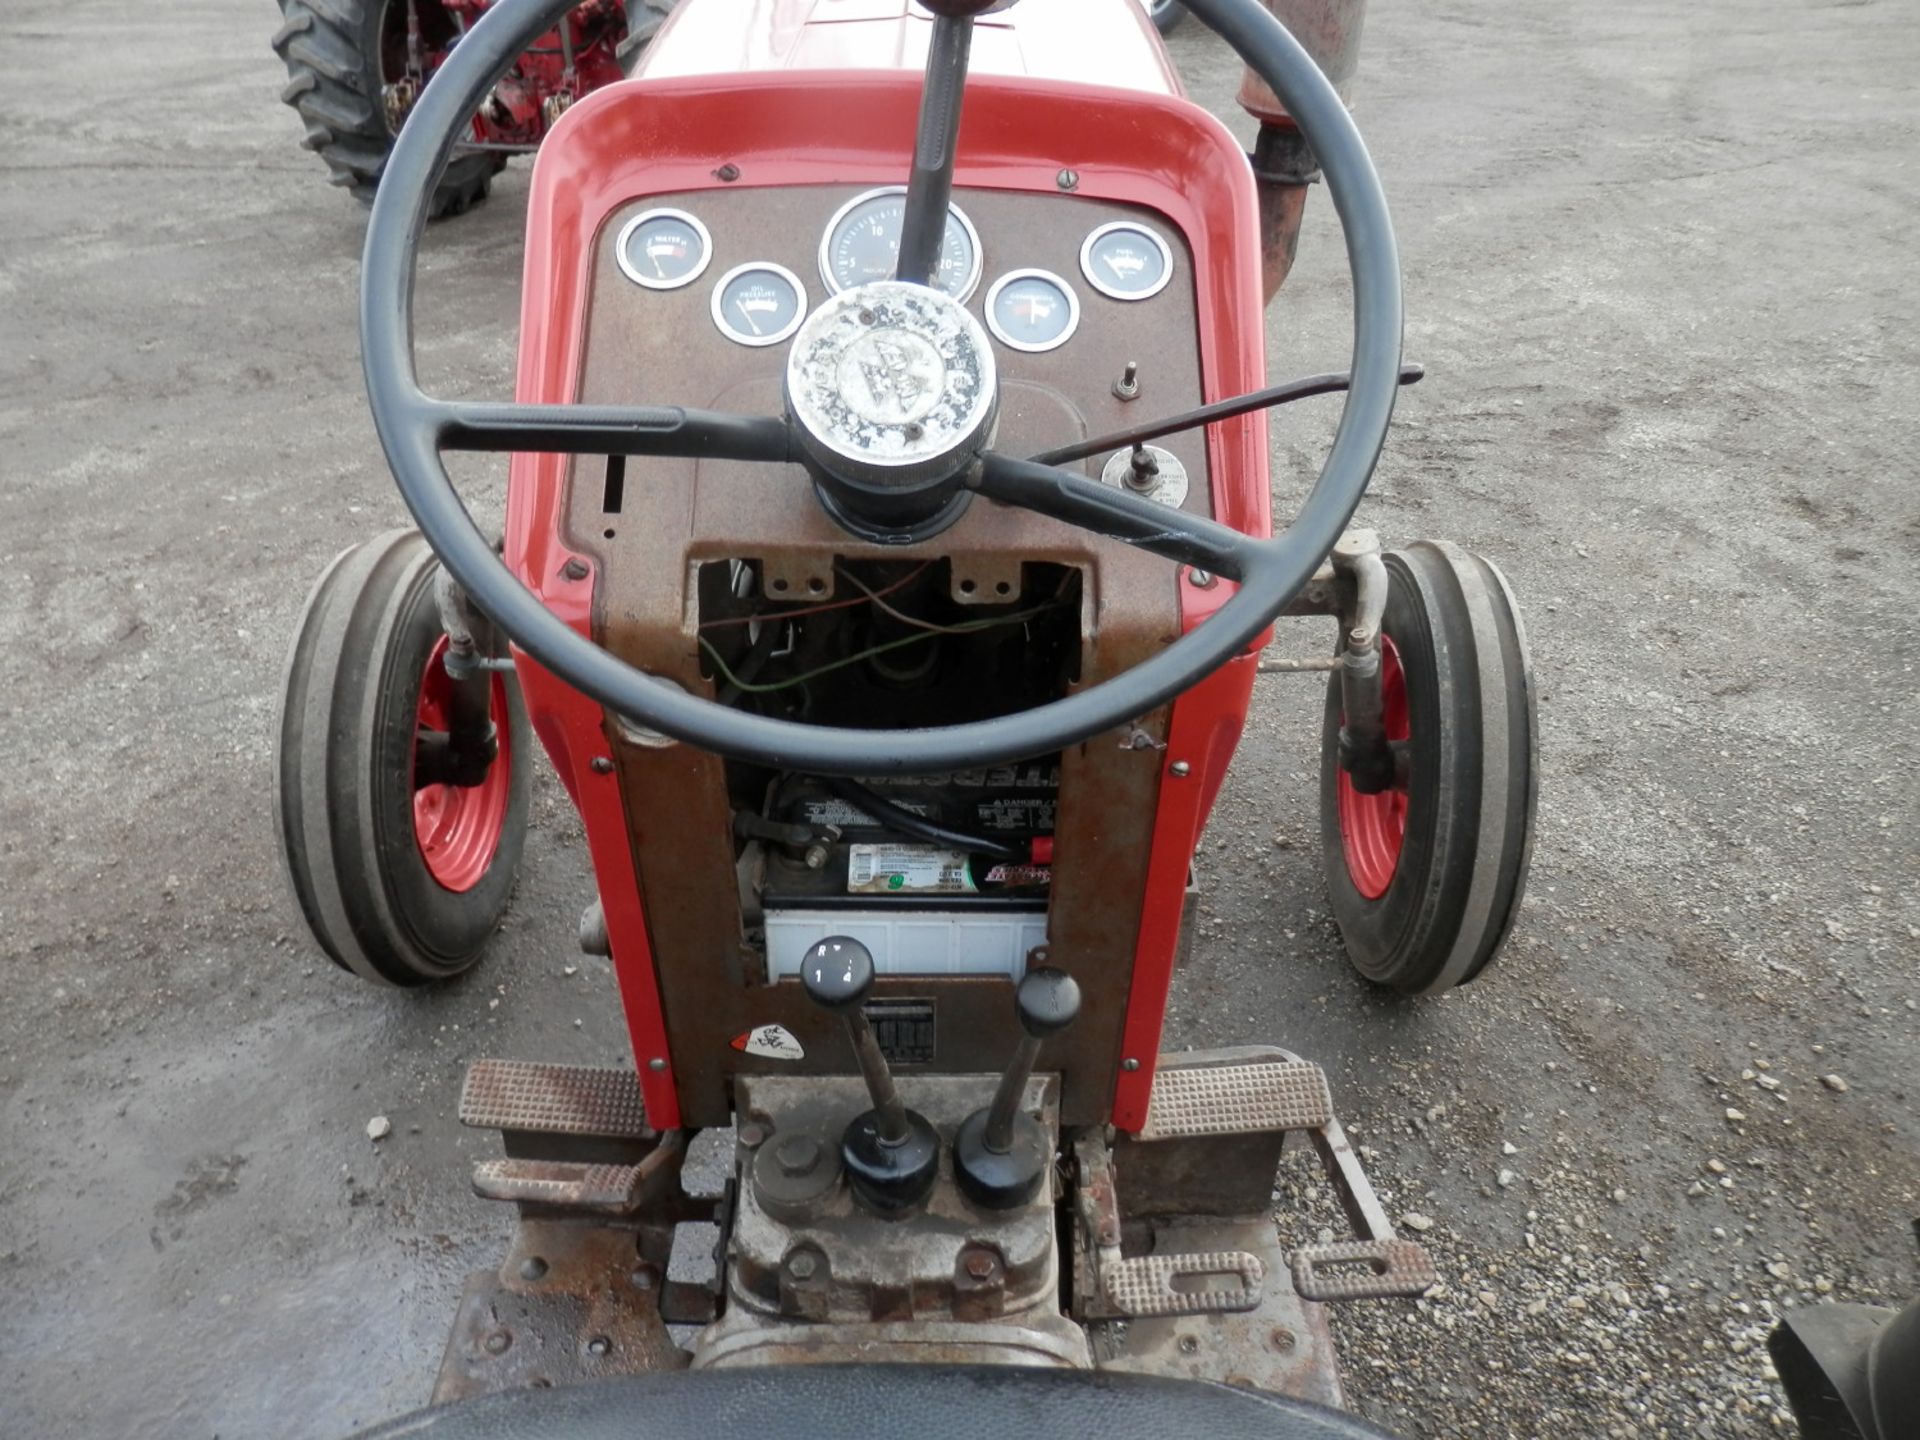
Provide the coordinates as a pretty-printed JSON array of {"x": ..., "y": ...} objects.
[
  {"x": 770, "y": 1042},
  {"x": 907, "y": 870}
]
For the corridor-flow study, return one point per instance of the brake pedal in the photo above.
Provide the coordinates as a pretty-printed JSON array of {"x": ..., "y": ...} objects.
[
  {"x": 1364, "y": 1270},
  {"x": 1206, "y": 1283},
  {"x": 601, "y": 1102},
  {"x": 562, "y": 1184}
]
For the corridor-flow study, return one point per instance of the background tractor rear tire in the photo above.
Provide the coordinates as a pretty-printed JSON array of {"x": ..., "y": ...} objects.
[
  {"x": 400, "y": 884},
  {"x": 1165, "y": 14},
  {"x": 1425, "y": 882},
  {"x": 335, "y": 80}
]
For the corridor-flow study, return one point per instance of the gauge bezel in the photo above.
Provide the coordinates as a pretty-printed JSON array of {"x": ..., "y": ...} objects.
[
  {"x": 664, "y": 212},
  {"x": 1102, "y": 231},
  {"x": 757, "y": 342},
  {"x": 825, "y": 256},
  {"x": 1027, "y": 346}
]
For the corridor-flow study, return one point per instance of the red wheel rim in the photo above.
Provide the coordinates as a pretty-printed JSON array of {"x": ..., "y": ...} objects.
[
  {"x": 458, "y": 828},
  {"x": 1373, "y": 828}
]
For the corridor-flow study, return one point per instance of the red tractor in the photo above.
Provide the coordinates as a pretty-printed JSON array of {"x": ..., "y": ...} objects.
[
  {"x": 888, "y": 570},
  {"x": 356, "y": 67}
]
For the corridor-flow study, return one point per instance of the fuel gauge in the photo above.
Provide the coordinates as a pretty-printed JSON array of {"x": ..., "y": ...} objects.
[
  {"x": 1032, "y": 310},
  {"x": 664, "y": 249},
  {"x": 1126, "y": 261},
  {"x": 759, "y": 303}
]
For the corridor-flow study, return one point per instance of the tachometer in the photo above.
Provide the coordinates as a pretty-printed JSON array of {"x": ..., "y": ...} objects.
[{"x": 862, "y": 244}]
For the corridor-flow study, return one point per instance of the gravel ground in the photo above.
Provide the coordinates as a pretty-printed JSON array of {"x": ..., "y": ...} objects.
[{"x": 1660, "y": 265}]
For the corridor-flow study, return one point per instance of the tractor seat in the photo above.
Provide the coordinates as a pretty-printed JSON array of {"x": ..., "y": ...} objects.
[{"x": 883, "y": 1402}]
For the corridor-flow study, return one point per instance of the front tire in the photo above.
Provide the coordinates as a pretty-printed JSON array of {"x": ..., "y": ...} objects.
[
  {"x": 400, "y": 883},
  {"x": 336, "y": 81},
  {"x": 1425, "y": 880}
]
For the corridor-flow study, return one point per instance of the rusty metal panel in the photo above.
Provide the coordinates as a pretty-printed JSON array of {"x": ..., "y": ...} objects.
[{"x": 572, "y": 1302}]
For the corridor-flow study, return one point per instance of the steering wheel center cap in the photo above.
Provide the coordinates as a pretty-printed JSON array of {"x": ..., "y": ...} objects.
[{"x": 894, "y": 392}]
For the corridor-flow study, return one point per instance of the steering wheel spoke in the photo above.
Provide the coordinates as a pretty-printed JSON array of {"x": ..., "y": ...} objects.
[
  {"x": 1188, "y": 539},
  {"x": 663, "y": 430}
]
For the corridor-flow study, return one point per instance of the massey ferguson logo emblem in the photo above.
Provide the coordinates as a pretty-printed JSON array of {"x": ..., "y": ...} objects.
[{"x": 895, "y": 378}]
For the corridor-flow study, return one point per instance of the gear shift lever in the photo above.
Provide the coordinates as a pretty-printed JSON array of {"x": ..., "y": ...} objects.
[
  {"x": 1000, "y": 1154},
  {"x": 891, "y": 1154}
]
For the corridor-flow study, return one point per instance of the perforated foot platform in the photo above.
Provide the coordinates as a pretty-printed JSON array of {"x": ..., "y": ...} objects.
[
  {"x": 1199, "y": 1284},
  {"x": 1271, "y": 1096},
  {"x": 1363, "y": 1270},
  {"x": 602, "y": 1102},
  {"x": 602, "y": 1189}
]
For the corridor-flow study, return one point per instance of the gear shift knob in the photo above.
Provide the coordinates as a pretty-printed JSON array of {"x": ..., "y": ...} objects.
[
  {"x": 891, "y": 1154},
  {"x": 1048, "y": 1001},
  {"x": 837, "y": 973}
]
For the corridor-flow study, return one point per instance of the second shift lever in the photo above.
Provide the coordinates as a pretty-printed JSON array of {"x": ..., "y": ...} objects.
[
  {"x": 891, "y": 1154},
  {"x": 1000, "y": 1154}
]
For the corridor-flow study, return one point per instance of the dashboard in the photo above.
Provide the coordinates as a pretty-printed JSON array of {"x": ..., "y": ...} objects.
[{"x": 695, "y": 296}]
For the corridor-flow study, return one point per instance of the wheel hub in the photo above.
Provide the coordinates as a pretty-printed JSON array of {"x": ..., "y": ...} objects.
[{"x": 894, "y": 393}]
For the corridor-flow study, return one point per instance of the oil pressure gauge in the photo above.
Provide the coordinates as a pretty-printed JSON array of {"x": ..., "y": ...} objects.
[
  {"x": 664, "y": 249},
  {"x": 1032, "y": 310},
  {"x": 1126, "y": 261},
  {"x": 759, "y": 303}
]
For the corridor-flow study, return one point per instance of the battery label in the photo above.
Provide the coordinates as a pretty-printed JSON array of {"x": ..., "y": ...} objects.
[{"x": 907, "y": 870}]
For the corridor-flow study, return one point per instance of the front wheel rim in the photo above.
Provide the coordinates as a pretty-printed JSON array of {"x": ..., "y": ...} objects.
[
  {"x": 1373, "y": 828},
  {"x": 458, "y": 828}
]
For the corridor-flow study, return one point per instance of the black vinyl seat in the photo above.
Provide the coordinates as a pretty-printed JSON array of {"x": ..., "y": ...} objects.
[{"x": 884, "y": 1402}]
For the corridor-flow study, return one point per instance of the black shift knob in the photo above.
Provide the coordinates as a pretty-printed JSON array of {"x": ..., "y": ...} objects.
[
  {"x": 837, "y": 972},
  {"x": 1048, "y": 1001}
]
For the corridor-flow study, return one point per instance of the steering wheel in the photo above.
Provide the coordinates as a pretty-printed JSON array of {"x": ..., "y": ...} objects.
[{"x": 905, "y": 486}]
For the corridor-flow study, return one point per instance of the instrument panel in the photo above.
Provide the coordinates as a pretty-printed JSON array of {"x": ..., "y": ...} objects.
[
  {"x": 760, "y": 302},
  {"x": 696, "y": 293}
]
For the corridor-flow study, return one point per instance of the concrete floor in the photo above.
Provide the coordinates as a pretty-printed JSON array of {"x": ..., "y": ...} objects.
[{"x": 1660, "y": 264}]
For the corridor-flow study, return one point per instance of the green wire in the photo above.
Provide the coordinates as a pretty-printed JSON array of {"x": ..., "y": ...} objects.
[{"x": 968, "y": 628}]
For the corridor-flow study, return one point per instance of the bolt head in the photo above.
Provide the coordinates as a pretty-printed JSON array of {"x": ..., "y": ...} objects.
[
  {"x": 497, "y": 1342},
  {"x": 1189, "y": 1344},
  {"x": 980, "y": 1265},
  {"x": 797, "y": 1155},
  {"x": 1068, "y": 179},
  {"x": 599, "y": 1345},
  {"x": 1283, "y": 1339},
  {"x": 752, "y": 1134},
  {"x": 533, "y": 1268},
  {"x": 802, "y": 1266},
  {"x": 1180, "y": 769}
]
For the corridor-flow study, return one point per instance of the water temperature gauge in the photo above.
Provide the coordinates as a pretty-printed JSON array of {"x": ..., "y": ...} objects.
[
  {"x": 663, "y": 249},
  {"x": 759, "y": 303},
  {"x": 1032, "y": 310}
]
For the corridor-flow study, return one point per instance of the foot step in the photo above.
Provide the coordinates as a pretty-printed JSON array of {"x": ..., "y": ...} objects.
[
  {"x": 610, "y": 1189},
  {"x": 599, "y": 1101},
  {"x": 1363, "y": 1270},
  {"x": 1198, "y": 1284},
  {"x": 1267, "y": 1096}
]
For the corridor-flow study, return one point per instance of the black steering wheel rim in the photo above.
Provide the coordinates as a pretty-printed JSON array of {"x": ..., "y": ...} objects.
[{"x": 414, "y": 427}]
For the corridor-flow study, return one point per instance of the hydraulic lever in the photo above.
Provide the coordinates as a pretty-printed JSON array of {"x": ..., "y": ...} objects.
[
  {"x": 891, "y": 1154},
  {"x": 1000, "y": 1154}
]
